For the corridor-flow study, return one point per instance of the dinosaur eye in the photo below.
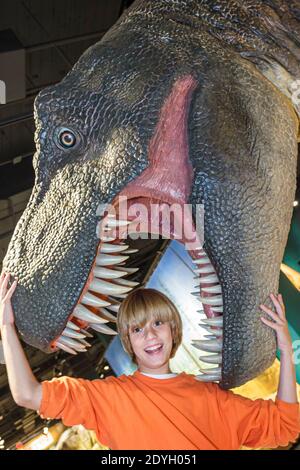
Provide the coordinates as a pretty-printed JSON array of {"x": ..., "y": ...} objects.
[{"x": 66, "y": 138}]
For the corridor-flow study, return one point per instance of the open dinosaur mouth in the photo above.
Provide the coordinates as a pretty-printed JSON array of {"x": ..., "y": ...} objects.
[{"x": 109, "y": 282}]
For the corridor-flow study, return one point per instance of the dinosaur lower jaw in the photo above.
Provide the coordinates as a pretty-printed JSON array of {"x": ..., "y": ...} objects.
[{"x": 105, "y": 286}]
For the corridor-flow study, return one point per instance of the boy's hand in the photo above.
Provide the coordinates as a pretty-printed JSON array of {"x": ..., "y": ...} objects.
[
  {"x": 280, "y": 325},
  {"x": 6, "y": 311}
]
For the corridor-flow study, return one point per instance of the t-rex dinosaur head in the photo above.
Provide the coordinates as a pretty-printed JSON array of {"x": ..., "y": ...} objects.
[{"x": 179, "y": 103}]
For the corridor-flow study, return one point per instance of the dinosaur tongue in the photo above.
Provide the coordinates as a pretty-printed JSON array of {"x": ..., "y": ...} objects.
[
  {"x": 169, "y": 175},
  {"x": 165, "y": 185}
]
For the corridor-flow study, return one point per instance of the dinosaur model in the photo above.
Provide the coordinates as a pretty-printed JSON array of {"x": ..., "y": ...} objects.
[{"x": 187, "y": 102}]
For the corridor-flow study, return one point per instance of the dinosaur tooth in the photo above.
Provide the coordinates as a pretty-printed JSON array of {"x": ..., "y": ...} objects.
[
  {"x": 116, "y": 222},
  {"x": 87, "y": 333},
  {"x": 211, "y": 278},
  {"x": 114, "y": 308},
  {"x": 72, "y": 325},
  {"x": 125, "y": 282},
  {"x": 213, "y": 321},
  {"x": 216, "y": 300},
  {"x": 107, "y": 314},
  {"x": 85, "y": 314},
  {"x": 112, "y": 248},
  {"x": 104, "y": 287},
  {"x": 201, "y": 249},
  {"x": 212, "y": 289},
  {"x": 218, "y": 309},
  {"x": 103, "y": 329},
  {"x": 109, "y": 260},
  {"x": 104, "y": 235},
  {"x": 205, "y": 270},
  {"x": 212, "y": 358},
  {"x": 116, "y": 302},
  {"x": 93, "y": 300},
  {"x": 128, "y": 270},
  {"x": 208, "y": 377},
  {"x": 71, "y": 343},
  {"x": 131, "y": 250},
  {"x": 121, "y": 296},
  {"x": 72, "y": 333},
  {"x": 106, "y": 273},
  {"x": 65, "y": 348},
  {"x": 85, "y": 343},
  {"x": 213, "y": 336},
  {"x": 212, "y": 370},
  {"x": 106, "y": 238},
  {"x": 211, "y": 345},
  {"x": 203, "y": 260},
  {"x": 213, "y": 331}
]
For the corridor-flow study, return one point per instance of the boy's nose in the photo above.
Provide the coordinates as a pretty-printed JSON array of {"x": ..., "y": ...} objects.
[{"x": 150, "y": 332}]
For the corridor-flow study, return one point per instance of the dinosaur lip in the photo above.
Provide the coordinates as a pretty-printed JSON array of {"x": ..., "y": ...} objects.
[{"x": 108, "y": 284}]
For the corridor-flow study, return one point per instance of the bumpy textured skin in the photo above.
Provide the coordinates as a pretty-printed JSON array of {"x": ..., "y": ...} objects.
[{"x": 242, "y": 144}]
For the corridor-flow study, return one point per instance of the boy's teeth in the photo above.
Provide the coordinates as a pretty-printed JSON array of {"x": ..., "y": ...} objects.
[{"x": 153, "y": 348}]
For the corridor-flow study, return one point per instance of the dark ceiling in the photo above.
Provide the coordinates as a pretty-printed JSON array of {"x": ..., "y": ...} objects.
[{"x": 54, "y": 34}]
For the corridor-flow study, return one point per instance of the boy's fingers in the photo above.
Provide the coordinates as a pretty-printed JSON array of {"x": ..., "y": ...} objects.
[
  {"x": 272, "y": 314},
  {"x": 11, "y": 290},
  {"x": 271, "y": 324},
  {"x": 281, "y": 301},
  {"x": 268, "y": 310},
  {"x": 278, "y": 306},
  {"x": 13, "y": 286},
  {"x": 2, "y": 277},
  {"x": 4, "y": 285}
]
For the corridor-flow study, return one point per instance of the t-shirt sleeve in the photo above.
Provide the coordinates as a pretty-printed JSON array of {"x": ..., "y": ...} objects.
[
  {"x": 79, "y": 401},
  {"x": 259, "y": 423}
]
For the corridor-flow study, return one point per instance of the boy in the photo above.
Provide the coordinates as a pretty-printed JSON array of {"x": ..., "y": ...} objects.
[{"x": 153, "y": 408}]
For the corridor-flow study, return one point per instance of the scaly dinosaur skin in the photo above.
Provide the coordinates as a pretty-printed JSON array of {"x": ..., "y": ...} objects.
[{"x": 200, "y": 86}]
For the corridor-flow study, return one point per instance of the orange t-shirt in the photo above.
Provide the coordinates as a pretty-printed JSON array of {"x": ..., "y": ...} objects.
[{"x": 142, "y": 412}]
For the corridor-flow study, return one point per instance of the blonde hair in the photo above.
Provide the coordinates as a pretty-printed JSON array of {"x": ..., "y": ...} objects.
[{"x": 138, "y": 307}]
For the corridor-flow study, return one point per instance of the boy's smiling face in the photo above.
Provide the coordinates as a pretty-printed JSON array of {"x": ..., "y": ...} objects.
[{"x": 152, "y": 346}]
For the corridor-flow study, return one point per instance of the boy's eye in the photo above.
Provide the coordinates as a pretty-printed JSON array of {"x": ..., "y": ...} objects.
[{"x": 137, "y": 329}]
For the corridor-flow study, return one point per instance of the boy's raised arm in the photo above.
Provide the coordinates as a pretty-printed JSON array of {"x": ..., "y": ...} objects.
[
  {"x": 265, "y": 423},
  {"x": 25, "y": 389},
  {"x": 287, "y": 390}
]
